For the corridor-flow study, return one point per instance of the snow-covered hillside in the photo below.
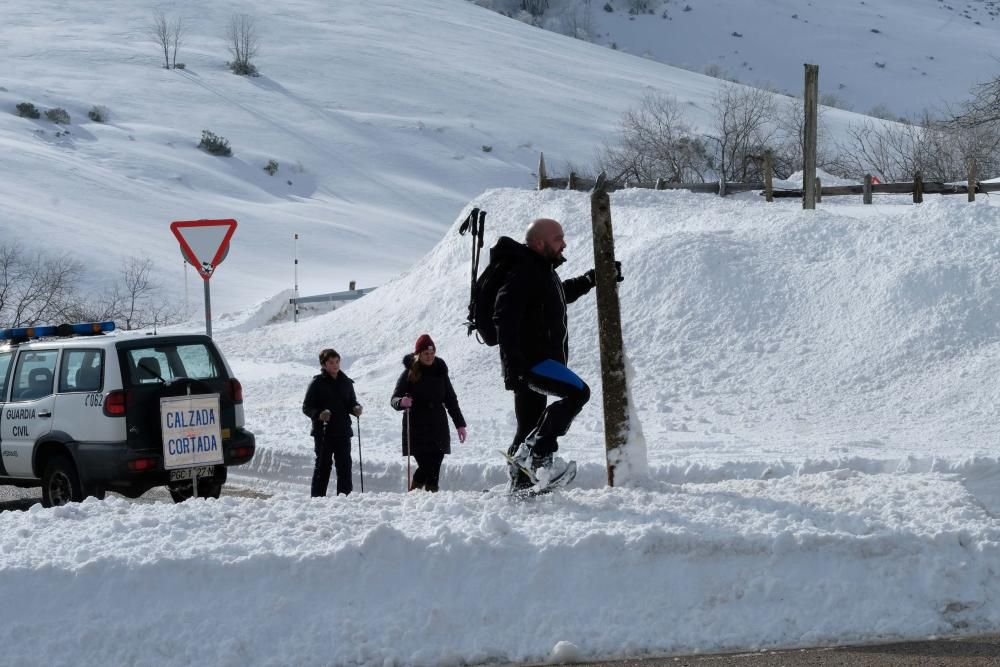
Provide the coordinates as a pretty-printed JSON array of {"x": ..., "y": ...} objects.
[
  {"x": 904, "y": 56},
  {"x": 385, "y": 118}
]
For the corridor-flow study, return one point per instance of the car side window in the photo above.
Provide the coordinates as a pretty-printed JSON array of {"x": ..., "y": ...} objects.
[
  {"x": 81, "y": 370},
  {"x": 34, "y": 375},
  {"x": 5, "y": 359}
]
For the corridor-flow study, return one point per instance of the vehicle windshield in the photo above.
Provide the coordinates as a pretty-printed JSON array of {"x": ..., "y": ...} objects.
[{"x": 164, "y": 363}]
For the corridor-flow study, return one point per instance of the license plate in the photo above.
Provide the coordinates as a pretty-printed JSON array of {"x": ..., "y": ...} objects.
[{"x": 187, "y": 473}]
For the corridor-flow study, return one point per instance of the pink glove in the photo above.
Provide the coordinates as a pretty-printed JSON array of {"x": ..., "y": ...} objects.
[
  {"x": 461, "y": 433},
  {"x": 405, "y": 402}
]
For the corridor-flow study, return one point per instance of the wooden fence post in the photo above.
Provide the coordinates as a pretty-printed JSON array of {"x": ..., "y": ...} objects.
[
  {"x": 768, "y": 175},
  {"x": 866, "y": 197},
  {"x": 543, "y": 179},
  {"x": 972, "y": 181},
  {"x": 571, "y": 181},
  {"x": 809, "y": 148},
  {"x": 819, "y": 191},
  {"x": 918, "y": 188},
  {"x": 659, "y": 184},
  {"x": 609, "y": 327}
]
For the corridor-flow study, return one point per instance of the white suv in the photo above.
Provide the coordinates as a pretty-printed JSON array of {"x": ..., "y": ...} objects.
[{"x": 80, "y": 411}]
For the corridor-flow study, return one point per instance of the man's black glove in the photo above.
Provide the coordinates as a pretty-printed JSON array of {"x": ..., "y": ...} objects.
[{"x": 592, "y": 277}]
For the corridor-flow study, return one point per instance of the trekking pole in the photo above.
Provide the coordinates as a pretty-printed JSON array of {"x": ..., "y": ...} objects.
[
  {"x": 407, "y": 449},
  {"x": 361, "y": 461}
]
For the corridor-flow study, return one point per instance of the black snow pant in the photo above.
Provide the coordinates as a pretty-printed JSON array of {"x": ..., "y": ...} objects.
[
  {"x": 428, "y": 470},
  {"x": 329, "y": 451},
  {"x": 544, "y": 424}
]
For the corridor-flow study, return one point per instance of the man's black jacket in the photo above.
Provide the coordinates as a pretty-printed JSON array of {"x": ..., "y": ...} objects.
[
  {"x": 530, "y": 310},
  {"x": 337, "y": 396}
]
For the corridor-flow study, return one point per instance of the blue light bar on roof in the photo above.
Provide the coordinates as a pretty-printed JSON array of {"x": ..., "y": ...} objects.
[
  {"x": 84, "y": 328},
  {"x": 79, "y": 329}
]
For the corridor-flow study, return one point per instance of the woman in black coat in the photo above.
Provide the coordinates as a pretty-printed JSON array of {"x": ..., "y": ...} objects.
[{"x": 424, "y": 391}]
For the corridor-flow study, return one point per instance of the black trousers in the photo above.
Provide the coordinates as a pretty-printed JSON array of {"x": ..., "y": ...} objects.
[
  {"x": 428, "y": 470},
  {"x": 329, "y": 452},
  {"x": 549, "y": 378}
]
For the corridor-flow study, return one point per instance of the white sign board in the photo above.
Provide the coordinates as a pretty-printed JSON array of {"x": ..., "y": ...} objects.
[{"x": 192, "y": 431}]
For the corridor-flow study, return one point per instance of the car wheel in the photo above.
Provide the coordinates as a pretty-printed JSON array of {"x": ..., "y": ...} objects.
[
  {"x": 208, "y": 487},
  {"x": 60, "y": 483}
]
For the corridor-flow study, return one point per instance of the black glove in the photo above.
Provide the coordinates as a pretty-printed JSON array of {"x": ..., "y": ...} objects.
[{"x": 592, "y": 277}]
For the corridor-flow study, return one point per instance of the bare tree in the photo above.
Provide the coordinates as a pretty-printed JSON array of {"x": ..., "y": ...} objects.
[
  {"x": 655, "y": 142},
  {"x": 177, "y": 31},
  {"x": 160, "y": 29},
  {"x": 35, "y": 287},
  {"x": 789, "y": 141},
  {"x": 168, "y": 35},
  {"x": 983, "y": 108},
  {"x": 244, "y": 43},
  {"x": 889, "y": 150},
  {"x": 535, "y": 7},
  {"x": 744, "y": 129},
  {"x": 135, "y": 301}
]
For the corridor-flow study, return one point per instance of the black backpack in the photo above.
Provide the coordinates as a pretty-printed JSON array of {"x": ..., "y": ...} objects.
[{"x": 483, "y": 292}]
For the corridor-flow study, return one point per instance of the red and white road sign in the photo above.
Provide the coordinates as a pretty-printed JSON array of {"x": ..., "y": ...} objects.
[{"x": 204, "y": 243}]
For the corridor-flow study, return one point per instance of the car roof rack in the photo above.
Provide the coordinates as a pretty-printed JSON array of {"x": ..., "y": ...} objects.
[{"x": 17, "y": 335}]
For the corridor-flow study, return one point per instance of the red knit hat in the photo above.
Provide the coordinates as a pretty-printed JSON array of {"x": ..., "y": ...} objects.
[{"x": 423, "y": 343}]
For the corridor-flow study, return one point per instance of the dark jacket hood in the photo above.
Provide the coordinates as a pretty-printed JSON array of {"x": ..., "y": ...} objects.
[{"x": 509, "y": 250}]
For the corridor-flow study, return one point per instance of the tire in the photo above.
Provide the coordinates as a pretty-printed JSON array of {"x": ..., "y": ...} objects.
[
  {"x": 208, "y": 487},
  {"x": 60, "y": 483}
]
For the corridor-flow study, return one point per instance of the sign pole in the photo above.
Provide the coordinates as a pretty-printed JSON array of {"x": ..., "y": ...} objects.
[{"x": 208, "y": 308}]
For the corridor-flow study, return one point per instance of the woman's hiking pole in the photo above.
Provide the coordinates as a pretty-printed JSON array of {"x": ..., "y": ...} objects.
[
  {"x": 361, "y": 461},
  {"x": 407, "y": 450}
]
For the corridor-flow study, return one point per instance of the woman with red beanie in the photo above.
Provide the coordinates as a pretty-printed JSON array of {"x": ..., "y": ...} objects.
[{"x": 424, "y": 390}]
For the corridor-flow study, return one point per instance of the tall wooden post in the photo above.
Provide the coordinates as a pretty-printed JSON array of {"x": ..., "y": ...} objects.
[
  {"x": 609, "y": 326},
  {"x": 811, "y": 99},
  {"x": 918, "y": 188},
  {"x": 543, "y": 179},
  {"x": 769, "y": 175},
  {"x": 972, "y": 180},
  {"x": 866, "y": 196}
]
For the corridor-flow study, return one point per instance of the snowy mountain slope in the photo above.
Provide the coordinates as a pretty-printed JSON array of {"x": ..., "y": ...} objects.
[
  {"x": 377, "y": 114},
  {"x": 902, "y": 55}
]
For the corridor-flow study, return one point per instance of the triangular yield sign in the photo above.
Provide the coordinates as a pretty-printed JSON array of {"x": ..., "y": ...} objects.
[{"x": 204, "y": 243}]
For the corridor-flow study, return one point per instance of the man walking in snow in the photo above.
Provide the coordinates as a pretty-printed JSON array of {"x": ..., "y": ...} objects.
[{"x": 531, "y": 323}]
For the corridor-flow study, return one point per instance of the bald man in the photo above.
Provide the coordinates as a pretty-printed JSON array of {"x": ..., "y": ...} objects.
[{"x": 530, "y": 317}]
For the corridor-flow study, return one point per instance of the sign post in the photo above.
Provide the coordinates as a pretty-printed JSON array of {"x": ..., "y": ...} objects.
[{"x": 204, "y": 244}]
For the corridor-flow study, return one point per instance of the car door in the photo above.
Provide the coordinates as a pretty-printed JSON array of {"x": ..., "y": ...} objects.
[
  {"x": 80, "y": 399},
  {"x": 6, "y": 357},
  {"x": 28, "y": 412}
]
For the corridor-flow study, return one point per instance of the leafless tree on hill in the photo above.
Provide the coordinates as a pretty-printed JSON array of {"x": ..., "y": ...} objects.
[
  {"x": 655, "y": 142},
  {"x": 168, "y": 35},
  {"x": 244, "y": 44},
  {"x": 744, "y": 130}
]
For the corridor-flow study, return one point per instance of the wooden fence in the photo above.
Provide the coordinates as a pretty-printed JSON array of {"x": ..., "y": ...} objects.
[{"x": 917, "y": 187}]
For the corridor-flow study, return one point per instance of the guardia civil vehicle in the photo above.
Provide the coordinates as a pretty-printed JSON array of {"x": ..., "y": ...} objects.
[{"x": 84, "y": 411}]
